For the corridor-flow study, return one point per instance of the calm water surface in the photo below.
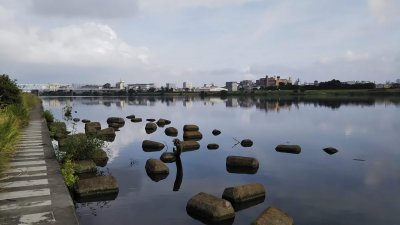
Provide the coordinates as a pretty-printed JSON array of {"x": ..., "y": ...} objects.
[{"x": 358, "y": 185}]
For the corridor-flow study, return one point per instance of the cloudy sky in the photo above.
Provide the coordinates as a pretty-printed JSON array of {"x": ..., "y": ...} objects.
[{"x": 202, "y": 41}]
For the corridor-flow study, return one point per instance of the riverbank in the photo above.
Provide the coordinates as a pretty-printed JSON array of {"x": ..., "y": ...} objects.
[
  {"x": 32, "y": 190},
  {"x": 295, "y": 92}
]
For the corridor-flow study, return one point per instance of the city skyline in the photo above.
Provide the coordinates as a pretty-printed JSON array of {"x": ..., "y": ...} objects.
[{"x": 44, "y": 41}]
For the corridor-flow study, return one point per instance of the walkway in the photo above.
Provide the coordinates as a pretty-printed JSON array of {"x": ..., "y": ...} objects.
[{"x": 32, "y": 190}]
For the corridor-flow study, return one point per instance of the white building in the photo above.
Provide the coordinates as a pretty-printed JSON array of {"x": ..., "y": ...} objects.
[
  {"x": 171, "y": 86},
  {"x": 212, "y": 88},
  {"x": 120, "y": 85},
  {"x": 187, "y": 85}
]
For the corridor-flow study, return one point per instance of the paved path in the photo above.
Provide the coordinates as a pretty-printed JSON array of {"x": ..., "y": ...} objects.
[{"x": 32, "y": 190}]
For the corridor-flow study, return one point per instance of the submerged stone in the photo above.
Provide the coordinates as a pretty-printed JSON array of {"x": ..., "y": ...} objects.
[
  {"x": 273, "y": 216},
  {"x": 216, "y": 132},
  {"x": 241, "y": 164},
  {"x": 85, "y": 121},
  {"x": 136, "y": 120},
  {"x": 96, "y": 186},
  {"x": 330, "y": 150},
  {"x": 210, "y": 209},
  {"x": 294, "y": 149},
  {"x": 152, "y": 146},
  {"x": 212, "y": 146},
  {"x": 246, "y": 143},
  {"x": 131, "y": 117},
  {"x": 76, "y": 120},
  {"x": 151, "y": 120}
]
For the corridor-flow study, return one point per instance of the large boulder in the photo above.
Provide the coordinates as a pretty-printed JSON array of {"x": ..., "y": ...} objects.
[
  {"x": 85, "y": 166},
  {"x": 59, "y": 130},
  {"x": 273, "y": 216},
  {"x": 100, "y": 158},
  {"x": 192, "y": 135},
  {"x": 99, "y": 185},
  {"x": 107, "y": 134},
  {"x": 91, "y": 128},
  {"x": 241, "y": 164},
  {"x": 244, "y": 196},
  {"x": 190, "y": 127},
  {"x": 171, "y": 131},
  {"x": 152, "y": 146},
  {"x": 156, "y": 169},
  {"x": 330, "y": 150},
  {"x": 246, "y": 143},
  {"x": 294, "y": 149},
  {"x": 210, "y": 209}
]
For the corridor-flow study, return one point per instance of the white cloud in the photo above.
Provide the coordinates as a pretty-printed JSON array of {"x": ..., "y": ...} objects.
[
  {"x": 383, "y": 10},
  {"x": 85, "y": 44}
]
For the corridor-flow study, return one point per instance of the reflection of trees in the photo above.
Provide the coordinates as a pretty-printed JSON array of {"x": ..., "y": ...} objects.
[
  {"x": 179, "y": 174},
  {"x": 94, "y": 206},
  {"x": 286, "y": 103},
  {"x": 275, "y": 103}
]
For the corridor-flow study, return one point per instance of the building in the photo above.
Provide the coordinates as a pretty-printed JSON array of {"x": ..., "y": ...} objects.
[
  {"x": 275, "y": 81},
  {"x": 187, "y": 85},
  {"x": 142, "y": 87},
  {"x": 211, "y": 88},
  {"x": 232, "y": 86},
  {"x": 120, "y": 85},
  {"x": 170, "y": 86}
]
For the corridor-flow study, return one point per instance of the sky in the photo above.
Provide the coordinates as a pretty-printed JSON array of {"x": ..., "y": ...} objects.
[{"x": 199, "y": 41}]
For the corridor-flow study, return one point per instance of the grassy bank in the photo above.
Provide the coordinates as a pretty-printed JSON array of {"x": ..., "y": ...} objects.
[{"x": 13, "y": 118}]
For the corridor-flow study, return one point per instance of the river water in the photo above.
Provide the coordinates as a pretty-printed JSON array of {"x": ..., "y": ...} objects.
[{"x": 358, "y": 185}]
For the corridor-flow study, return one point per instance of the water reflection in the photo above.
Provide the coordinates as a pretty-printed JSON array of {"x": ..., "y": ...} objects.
[
  {"x": 264, "y": 103},
  {"x": 303, "y": 185}
]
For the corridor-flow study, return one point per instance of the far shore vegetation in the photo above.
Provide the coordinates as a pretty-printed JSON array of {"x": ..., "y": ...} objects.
[{"x": 15, "y": 109}]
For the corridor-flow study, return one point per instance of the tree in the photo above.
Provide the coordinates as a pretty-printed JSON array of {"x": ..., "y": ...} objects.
[{"x": 9, "y": 91}]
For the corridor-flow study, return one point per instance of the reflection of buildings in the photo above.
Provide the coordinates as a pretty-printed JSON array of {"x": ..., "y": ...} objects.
[{"x": 232, "y": 102}]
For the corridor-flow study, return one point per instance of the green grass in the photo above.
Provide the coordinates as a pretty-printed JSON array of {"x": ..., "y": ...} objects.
[{"x": 12, "y": 119}]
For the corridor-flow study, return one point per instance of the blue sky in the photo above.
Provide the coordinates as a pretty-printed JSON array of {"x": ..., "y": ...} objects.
[{"x": 202, "y": 41}]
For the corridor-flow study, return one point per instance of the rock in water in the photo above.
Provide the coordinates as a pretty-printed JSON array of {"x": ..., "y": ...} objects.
[
  {"x": 246, "y": 143},
  {"x": 216, "y": 132},
  {"x": 240, "y": 195},
  {"x": 190, "y": 127},
  {"x": 241, "y": 164},
  {"x": 330, "y": 150},
  {"x": 210, "y": 209},
  {"x": 152, "y": 146},
  {"x": 168, "y": 157},
  {"x": 273, "y": 216},
  {"x": 294, "y": 149},
  {"x": 156, "y": 169},
  {"x": 171, "y": 131},
  {"x": 96, "y": 186},
  {"x": 212, "y": 146}
]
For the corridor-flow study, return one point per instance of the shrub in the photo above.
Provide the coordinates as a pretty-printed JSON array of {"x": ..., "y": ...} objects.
[
  {"x": 68, "y": 172},
  {"x": 80, "y": 147},
  {"x": 48, "y": 116},
  {"x": 9, "y": 91}
]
